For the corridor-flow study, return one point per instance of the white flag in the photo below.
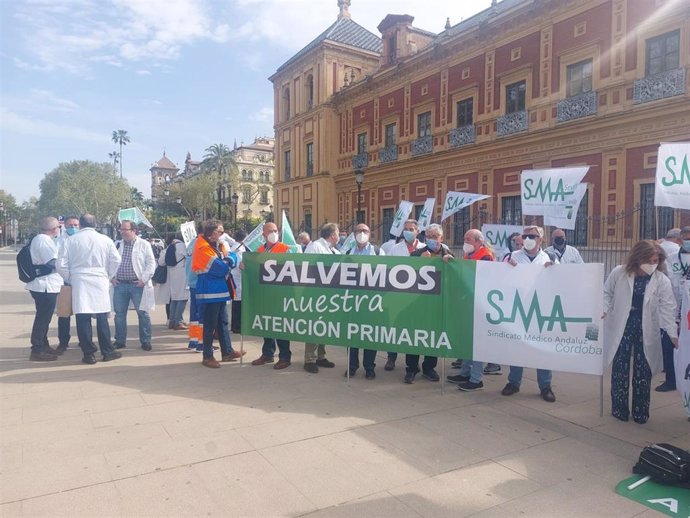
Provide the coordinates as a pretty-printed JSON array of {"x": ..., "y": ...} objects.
[
  {"x": 497, "y": 237},
  {"x": 456, "y": 201},
  {"x": 399, "y": 221},
  {"x": 672, "y": 187},
  {"x": 564, "y": 215},
  {"x": 188, "y": 231},
  {"x": 541, "y": 188},
  {"x": 426, "y": 214}
]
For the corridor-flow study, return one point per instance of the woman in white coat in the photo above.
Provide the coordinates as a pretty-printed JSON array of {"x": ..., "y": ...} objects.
[
  {"x": 174, "y": 291},
  {"x": 638, "y": 305}
]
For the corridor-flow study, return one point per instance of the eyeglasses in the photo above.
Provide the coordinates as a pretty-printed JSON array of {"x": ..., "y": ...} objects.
[{"x": 530, "y": 236}]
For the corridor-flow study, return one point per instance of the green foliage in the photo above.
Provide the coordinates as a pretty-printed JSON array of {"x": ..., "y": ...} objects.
[
  {"x": 218, "y": 158},
  {"x": 83, "y": 186},
  {"x": 197, "y": 195}
]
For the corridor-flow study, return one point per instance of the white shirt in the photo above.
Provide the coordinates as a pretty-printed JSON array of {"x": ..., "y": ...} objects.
[
  {"x": 570, "y": 255},
  {"x": 43, "y": 250},
  {"x": 400, "y": 249},
  {"x": 386, "y": 247},
  {"x": 521, "y": 257},
  {"x": 369, "y": 249},
  {"x": 321, "y": 246}
]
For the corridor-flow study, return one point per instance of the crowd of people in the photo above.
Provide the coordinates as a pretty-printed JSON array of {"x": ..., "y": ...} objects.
[{"x": 641, "y": 297}]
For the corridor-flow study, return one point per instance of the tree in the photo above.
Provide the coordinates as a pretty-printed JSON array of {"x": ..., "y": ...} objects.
[
  {"x": 115, "y": 157},
  {"x": 218, "y": 158},
  {"x": 83, "y": 186},
  {"x": 120, "y": 137},
  {"x": 8, "y": 212},
  {"x": 196, "y": 194}
]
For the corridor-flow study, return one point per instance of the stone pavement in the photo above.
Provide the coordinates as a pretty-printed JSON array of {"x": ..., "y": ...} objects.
[{"x": 157, "y": 434}]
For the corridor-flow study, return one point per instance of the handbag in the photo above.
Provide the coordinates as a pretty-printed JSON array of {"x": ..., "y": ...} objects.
[
  {"x": 160, "y": 275},
  {"x": 63, "y": 307},
  {"x": 665, "y": 463}
]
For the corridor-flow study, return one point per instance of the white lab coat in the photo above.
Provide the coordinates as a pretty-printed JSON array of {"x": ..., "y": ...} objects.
[
  {"x": 175, "y": 288},
  {"x": 571, "y": 255},
  {"x": 522, "y": 257},
  {"x": 658, "y": 312},
  {"x": 400, "y": 249},
  {"x": 88, "y": 263},
  {"x": 321, "y": 246},
  {"x": 386, "y": 247},
  {"x": 144, "y": 264}
]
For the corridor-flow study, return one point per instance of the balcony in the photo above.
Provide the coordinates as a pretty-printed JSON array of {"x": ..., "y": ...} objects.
[
  {"x": 388, "y": 154},
  {"x": 462, "y": 136},
  {"x": 659, "y": 86},
  {"x": 422, "y": 146},
  {"x": 512, "y": 123},
  {"x": 360, "y": 161},
  {"x": 577, "y": 106}
]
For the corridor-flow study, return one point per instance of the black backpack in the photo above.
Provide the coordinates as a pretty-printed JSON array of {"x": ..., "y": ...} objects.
[
  {"x": 26, "y": 269},
  {"x": 665, "y": 463},
  {"x": 170, "y": 259}
]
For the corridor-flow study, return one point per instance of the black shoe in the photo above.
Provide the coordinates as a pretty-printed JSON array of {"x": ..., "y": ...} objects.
[
  {"x": 547, "y": 395},
  {"x": 468, "y": 386},
  {"x": 311, "y": 367},
  {"x": 88, "y": 359},
  {"x": 146, "y": 347},
  {"x": 665, "y": 387},
  {"x": 60, "y": 350},
  {"x": 493, "y": 369},
  {"x": 390, "y": 364},
  {"x": 112, "y": 356},
  {"x": 370, "y": 375},
  {"x": 325, "y": 363},
  {"x": 458, "y": 379},
  {"x": 42, "y": 356},
  {"x": 119, "y": 346},
  {"x": 409, "y": 377},
  {"x": 510, "y": 389},
  {"x": 352, "y": 373},
  {"x": 456, "y": 364},
  {"x": 49, "y": 350},
  {"x": 431, "y": 375}
]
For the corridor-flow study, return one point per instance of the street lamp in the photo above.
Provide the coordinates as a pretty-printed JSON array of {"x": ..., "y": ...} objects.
[
  {"x": 270, "y": 217},
  {"x": 166, "y": 193},
  {"x": 234, "y": 199},
  {"x": 359, "y": 178}
]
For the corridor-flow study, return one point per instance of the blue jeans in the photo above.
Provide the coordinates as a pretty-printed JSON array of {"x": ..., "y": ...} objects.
[
  {"x": 176, "y": 311},
  {"x": 85, "y": 333},
  {"x": 216, "y": 319},
  {"x": 368, "y": 359},
  {"x": 475, "y": 370},
  {"x": 543, "y": 377},
  {"x": 123, "y": 293},
  {"x": 269, "y": 349}
]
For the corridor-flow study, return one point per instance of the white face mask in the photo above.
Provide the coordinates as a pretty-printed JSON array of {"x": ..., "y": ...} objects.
[
  {"x": 529, "y": 244},
  {"x": 467, "y": 248},
  {"x": 272, "y": 238},
  {"x": 362, "y": 238},
  {"x": 647, "y": 268}
]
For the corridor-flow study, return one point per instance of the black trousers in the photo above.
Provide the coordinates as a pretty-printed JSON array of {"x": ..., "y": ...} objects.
[
  {"x": 45, "y": 307},
  {"x": 64, "y": 324},
  {"x": 85, "y": 333},
  {"x": 667, "y": 351},
  {"x": 412, "y": 363},
  {"x": 236, "y": 321}
]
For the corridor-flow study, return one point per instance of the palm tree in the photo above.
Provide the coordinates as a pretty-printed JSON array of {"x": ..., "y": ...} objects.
[
  {"x": 219, "y": 158},
  {"x": 115, "y": 157},
  {"x": 120, "y": 137}
]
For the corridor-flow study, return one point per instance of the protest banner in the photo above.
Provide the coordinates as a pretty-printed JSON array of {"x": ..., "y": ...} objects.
[
  {"x": 427, "y": 213},
  {"x": 348, "y": 244},
  {"x": 288, "y": 237},
  {"x": 188, "y": 231},
  {"x": 497, "y": 237},
  {"x": 672, "y": 188},
  {"x": 456, "y": 201},
  {"x": 255, "y": 238},
  {"x": 425, "y": 306},
  {"x": 134, "y": 214},
  {"x": 401, "y": 215},
  {"x": 553, "y": 193},
  {"x": 681, "y": 354}
]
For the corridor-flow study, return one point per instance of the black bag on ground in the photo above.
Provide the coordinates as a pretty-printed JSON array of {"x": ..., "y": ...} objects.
[
  {"x": 160, "y": 275},
  {"x": 665, "y": 463},
  {"x": 26, "y": 269}
]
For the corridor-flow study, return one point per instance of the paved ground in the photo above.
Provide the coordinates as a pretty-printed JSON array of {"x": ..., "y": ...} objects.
[{"x": 156, "y": 434}]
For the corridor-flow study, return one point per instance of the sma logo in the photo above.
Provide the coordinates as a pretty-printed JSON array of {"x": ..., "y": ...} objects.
[
  {"x": 683, "y": 175},
  {"x": 545, "y": 192}
]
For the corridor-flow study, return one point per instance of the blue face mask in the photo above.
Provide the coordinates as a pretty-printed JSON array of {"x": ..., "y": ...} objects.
[
  {"x": 686, "y": 244},
  {"x": 432, "y": 244},
  {"x": 410, "y": 235},
  {"x": 71, "y": 230}
]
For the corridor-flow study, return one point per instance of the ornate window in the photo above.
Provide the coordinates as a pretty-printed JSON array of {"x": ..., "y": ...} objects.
[
  {"x": 663, "y": 53},
  {"x": 511, "y": 210},
  {"x": 424, "y": 124},
  {"x": 246, "y": 194},
  {"x": 391, "y": 135},
  {"x": 287, "y": 166},
  {"x": 579, "y": 78},
  {"x": 361, "y": 143},
  {"x": 515, "y": 97},
  {"x": 310, "y": 159},
  {"x": 464, "y": 112},
  {"x": 649, "y": 215}
]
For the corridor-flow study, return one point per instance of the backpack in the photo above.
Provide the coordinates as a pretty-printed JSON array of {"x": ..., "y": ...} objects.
[
  {"x": 170, "y": 259},
  {"x": 26, "y": 269},
  {"x": 665, "y": 463}
]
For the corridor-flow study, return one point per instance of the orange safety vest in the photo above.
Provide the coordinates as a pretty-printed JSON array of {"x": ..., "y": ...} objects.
[
  {"x": 278, "y": 248},
  {"x": 480, "y": 254}
]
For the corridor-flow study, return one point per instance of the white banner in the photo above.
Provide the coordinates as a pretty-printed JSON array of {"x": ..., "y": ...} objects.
[
  {"x": 672, "y": 187},
  {"x": 403, "y": 213},
  {"x": 564, "y": 215},
  {"x": 426, "y": 214},
  {"x": 681, "y": 356},
  {"x": 541, "y": 188},
  {"x": 497, "y": 237},
  {"x": 188, "y": 231},
  {"x": 456, "y": 201},
  {"x": 533, "y": 316}
]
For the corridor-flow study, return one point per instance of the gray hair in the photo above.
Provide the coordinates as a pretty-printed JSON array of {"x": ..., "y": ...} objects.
[
  {"x": 302, "y": 235},
  {"x": 539, "y": 230},
  {"x": 436, "y": 228},
  {"x": 328, "y": 230},
  {"x": 87, "y": 221},
  {"x": 48, "y": 223},
  {"x": 673, "y": 233}
]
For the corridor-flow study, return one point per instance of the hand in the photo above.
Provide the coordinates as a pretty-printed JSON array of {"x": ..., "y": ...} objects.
[
  {"x": 426, "y": 254},
  {"x": 674, "y": 341},
  {"x": 140, "y": 283},
  {"x": 603, "y": 316},
  {"x": 512, "y": 262},
  {"x": 447, "y": 258},
  {"x": 241, "y": 267},
  {"x": 114, "y": 281},
  {"x": 547, "y": 264}
]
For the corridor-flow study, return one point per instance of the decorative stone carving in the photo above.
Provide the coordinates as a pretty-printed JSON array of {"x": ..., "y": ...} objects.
[
  {"x": 360, "y": 161},
  {"x": 578, "y": 106},
  {"x": 659, "y": 86},
  {"x": 422, "y": 145},
  {"x": 462, "y": 135},
  {"x": 388, "y": 154},
  {"x": 512, "y": 123}
]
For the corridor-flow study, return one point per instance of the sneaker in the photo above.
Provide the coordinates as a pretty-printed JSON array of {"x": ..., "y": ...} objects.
[
  {"x": 547, "y": 395},
  {"x": 234, "y": 355},
  {"x": 409, "y": 377},
  {"x": 468, "y": 386},
  {"x": 665, "y": 387},
  {"x": 510, "y": 389},
  {"x": 493, "y": 369},
  {"x": 88, "y": 359},
  {"x": 112, "y": 356},
  {"x": 390, "y": 364},
  {"x": 352, "y": 373},
  {"x": 457, "y": 364},
  {"x": 431, "y": 375},
  {"x": 199, "y": 348},
  {"x": 457, "y": 379},
  {"x": 370, "y": 375},
  {"x": 117, "y": 345},
  {"x": 262, "y": 360},
  {"x": 323, "y": 362},
  {"x": 42, "y": 356},
  {"x": 146, "y": 347},
  {"x": 60, "y": 350},
  {"x": 192, "y": 346},
  {"x": 211, "y": 363},
  {"x": 282, "y": 364},
  {"x": 311, "y": 367}
]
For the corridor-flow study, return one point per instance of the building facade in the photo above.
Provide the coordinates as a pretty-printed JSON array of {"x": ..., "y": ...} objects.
[{"x": 522, "y": 85}]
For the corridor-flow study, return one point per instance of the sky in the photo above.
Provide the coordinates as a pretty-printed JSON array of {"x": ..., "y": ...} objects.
[{"x": 177, "y": 75}]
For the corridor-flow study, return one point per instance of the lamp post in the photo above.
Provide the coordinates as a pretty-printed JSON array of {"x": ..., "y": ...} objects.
[
  {"x": 270, "y": 216},
  {"x": 359, "y": 178},
  {"x": 3, "y": 229},
  {"x": 234, "y": 199}
]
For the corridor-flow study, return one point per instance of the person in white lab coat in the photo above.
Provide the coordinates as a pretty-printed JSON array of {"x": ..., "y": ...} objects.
[
  {"x": 133, "y": 283},
  {"x": 88, "y": 263},
  {"x": 71, "y": 226},
  {"x": 174, "y": 290},
  {"x": 638, "y": 305}
]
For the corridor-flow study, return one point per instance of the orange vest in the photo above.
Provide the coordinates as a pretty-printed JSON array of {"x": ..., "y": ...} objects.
[
  {"x": 278, "y": 248},
  {"x": 480, "y": 254}
]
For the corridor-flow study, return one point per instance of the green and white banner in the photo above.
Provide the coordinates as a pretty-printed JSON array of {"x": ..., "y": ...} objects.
[
  {"x": 530, "y": 316},
  {"x": 497, "y": 236},
  {"x": 553, "y": 193},
  {"x": 672, "y": 187}
]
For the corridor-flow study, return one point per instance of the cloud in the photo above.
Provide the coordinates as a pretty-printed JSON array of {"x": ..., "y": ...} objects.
[
  {"x": 12, "y": 122},
  {"x": 144, "y": 72},
  {"x": 38, "y": 100},
  {"x": 265, "y": 114}
]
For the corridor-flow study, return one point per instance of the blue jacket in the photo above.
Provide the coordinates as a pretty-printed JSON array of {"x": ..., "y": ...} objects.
[{"x": 214, "y": 282}]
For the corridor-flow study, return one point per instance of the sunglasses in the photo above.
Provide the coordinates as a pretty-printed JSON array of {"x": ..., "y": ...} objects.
[{"x": 530, "y": 236}]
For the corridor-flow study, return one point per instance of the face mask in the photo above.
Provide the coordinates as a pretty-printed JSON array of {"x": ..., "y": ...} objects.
[
  {"x": 648, "y": 268},
  {"x": 467, "y": 248},
  {"x": 559, "y": 241},
  {"x": 432, "y": 244},
  {"x": 686, "y": 244},
  {"x": 272, "y": 238},
  {"x": 72, "y": 230},
  {"x": 362, "y": 238},
  {"x": 529, "y": 244},
  {"x": 410, "y": 235}
]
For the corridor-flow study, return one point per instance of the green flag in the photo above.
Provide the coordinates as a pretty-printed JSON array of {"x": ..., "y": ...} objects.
[
  {"x": 255, "y": 238},
  {"x": 288, "y": 237}
]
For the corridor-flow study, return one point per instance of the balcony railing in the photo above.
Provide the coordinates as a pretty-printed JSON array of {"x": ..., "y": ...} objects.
[
  {"x": 577, "y": 106},
  {"x": 388, "y": 154},
  {"x": 360, "y": 161},
  {"x": 659, "y": 86},
  {"x": 512, "y": 123},
  {"x": 462, "y": 135},
  {"x": 422, "y": 145}
]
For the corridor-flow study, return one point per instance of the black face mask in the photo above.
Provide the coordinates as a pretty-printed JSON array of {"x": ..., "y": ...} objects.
[{"x": 559, "y": 241}]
